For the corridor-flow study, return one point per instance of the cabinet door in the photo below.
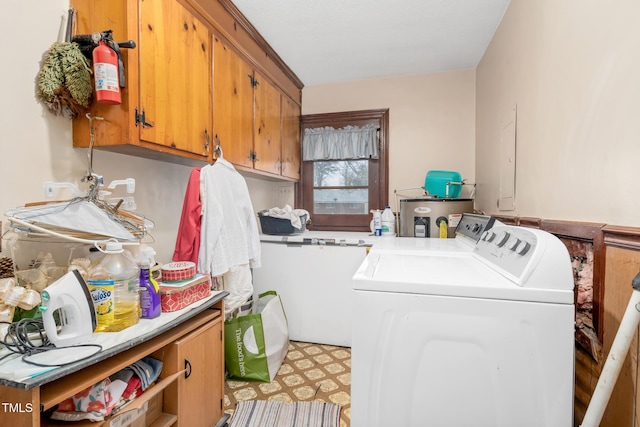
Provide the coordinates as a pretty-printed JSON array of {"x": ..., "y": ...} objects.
[
  {"x": 175, "y": 76},
  {"x": 290, "y": 139},
  {"x": 197, "y": 396},
  {"x": 267, "y": 126},
  {"x": 233, "y": 104}
]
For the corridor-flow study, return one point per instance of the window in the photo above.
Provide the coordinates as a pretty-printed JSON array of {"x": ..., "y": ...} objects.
[{"x": 339, "y": 193}]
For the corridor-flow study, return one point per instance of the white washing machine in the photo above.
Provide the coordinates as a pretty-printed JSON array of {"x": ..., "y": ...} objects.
[{"x": 452, "y": 340}]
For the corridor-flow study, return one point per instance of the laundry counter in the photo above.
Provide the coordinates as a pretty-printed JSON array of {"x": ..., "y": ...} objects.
[
  {"x": 312, "y": 273},
  {"x": 18, "y": 374},
  {"x": 30, "y": 393}
]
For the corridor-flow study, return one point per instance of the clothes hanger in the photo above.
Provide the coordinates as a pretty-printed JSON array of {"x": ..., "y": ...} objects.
[{"x": 128, "y": 226}]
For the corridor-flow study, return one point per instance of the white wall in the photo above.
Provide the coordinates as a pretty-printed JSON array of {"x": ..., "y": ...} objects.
[
  {"x": 431, "y": 121},
  {"x": 35, "y": 145},
  {"x": 573, "y": 69}
]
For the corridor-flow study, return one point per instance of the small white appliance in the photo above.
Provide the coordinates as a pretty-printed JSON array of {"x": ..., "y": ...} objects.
[
  {"x": 479, "y": 338},
  {"x": 68, "y": 299}
]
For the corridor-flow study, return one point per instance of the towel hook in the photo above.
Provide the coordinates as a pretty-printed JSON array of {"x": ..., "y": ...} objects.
[
  {"x": 89, "y": 176},
  {"x": 218, "y": 148}
]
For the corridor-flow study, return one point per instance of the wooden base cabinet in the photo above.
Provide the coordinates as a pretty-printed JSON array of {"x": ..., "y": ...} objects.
[
  {"x": 189, "y": 392},
  {"x": 197, "y": 395}
]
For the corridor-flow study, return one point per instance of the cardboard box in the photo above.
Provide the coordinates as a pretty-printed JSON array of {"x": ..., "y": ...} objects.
[
  {"x": 154, "y": 409},
  {"x": 144, "y": 409}
]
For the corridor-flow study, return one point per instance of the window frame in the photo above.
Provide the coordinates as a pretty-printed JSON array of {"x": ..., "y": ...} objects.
[{"x": 378, "y": 170}]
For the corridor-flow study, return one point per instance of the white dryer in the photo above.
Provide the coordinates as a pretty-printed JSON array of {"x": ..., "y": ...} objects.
[{"x": 452, "y": 340}]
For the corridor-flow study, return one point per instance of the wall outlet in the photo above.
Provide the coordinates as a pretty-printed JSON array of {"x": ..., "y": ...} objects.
[{"x": 285, "y": 190}]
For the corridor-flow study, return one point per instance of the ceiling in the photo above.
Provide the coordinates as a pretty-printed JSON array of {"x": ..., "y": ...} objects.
[{"x": 330, "y": 41}]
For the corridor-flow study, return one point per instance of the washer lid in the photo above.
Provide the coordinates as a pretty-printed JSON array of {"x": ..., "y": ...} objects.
[{"x": 459, "y": 275}]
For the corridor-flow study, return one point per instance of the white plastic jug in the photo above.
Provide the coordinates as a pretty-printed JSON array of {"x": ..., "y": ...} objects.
[{"x": 388, "y": 222}]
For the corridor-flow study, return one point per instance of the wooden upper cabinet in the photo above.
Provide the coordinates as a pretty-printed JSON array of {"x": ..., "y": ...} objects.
[
  {"x": 267, "y": 154},
  {"x": 199, "y": 76},
  {"x": 256, "y": 124},
  {"x": 290, "y": 139},
  {"x": 175, "y": 77},
  {"x": 233, "y": 104},
  {"x": 166, "y": 109}
]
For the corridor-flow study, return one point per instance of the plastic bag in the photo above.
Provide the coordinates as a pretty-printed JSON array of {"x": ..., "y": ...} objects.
[{"x": 255, "y": 345}]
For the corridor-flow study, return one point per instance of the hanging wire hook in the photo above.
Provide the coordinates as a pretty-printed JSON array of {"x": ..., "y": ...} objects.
[{"x": 90, "y": 175}]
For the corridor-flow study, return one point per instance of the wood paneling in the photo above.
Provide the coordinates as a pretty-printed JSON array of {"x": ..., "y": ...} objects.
[{"x": 622, "y": 266}]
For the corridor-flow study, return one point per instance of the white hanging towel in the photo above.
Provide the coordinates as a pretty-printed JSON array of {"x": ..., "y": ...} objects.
[
  {"x": 238, "y": 282},
  {"x": 229, "y": 235}
]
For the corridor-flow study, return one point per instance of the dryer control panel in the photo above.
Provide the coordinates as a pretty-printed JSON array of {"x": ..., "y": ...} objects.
[
  {"x": 512, "y": 250},
  {"x": 472, "y": 226}
]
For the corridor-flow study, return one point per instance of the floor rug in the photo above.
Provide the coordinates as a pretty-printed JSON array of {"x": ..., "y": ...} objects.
[
  {"x": 309, "y": 373},
  {"x": 271, "y": 413}
]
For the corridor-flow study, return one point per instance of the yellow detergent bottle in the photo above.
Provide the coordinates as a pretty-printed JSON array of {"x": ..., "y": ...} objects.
[{"x": 443, "y": 227}]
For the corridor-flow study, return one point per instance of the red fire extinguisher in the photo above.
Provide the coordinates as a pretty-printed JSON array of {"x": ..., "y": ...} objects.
[{"x": 105, "y": 69}]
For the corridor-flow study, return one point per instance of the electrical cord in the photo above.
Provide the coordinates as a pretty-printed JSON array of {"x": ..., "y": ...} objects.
[
  {"x": 17, "y": 338},
  {"x": 27, "y": 337}
]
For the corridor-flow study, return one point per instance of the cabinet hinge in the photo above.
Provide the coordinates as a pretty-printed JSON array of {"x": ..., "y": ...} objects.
[
  {"x": 253, "y": 81},
  {"x": 253, "y": 156},
  {"x": 142, "y": 120},
  {"x": 207, "y": 140}
]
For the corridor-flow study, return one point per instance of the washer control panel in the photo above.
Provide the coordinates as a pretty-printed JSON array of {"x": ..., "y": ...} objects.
[
  {"x": 510, "y": 249},
  {"x": 472, "y": 225}
]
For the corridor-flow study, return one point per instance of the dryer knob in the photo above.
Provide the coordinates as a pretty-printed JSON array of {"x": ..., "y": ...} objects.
[
  {"x": 488, "y": 236},
  {"x": 523, "y": 248},
  {"x": 514, "y": 243},
  {"x": 503, "y": 237}
]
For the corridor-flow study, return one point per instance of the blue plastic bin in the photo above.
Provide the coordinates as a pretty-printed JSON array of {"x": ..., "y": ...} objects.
[{"x": 436, "y": 184}]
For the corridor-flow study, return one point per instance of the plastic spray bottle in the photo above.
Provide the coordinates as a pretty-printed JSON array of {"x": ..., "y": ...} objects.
[
  {"x": 377, "y": 222},
  {"x": 149, "y": 292}
]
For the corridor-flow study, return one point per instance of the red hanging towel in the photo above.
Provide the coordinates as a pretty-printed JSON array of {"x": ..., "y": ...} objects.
[{"x": 188, "y": 239}]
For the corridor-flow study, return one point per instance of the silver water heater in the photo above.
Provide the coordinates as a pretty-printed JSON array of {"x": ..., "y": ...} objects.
[{"x": 423, "y": 217}]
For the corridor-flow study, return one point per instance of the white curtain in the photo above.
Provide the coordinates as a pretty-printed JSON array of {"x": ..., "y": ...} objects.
[{"x": 350, "y": 142}]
